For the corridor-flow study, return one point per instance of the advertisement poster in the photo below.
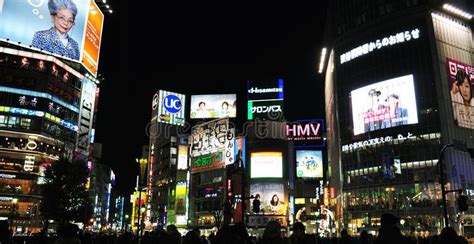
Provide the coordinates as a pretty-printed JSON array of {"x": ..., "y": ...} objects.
[
  {"x": 272, "y": 197},
  {"x": 93, "y": 37},
  {"x": 169, "y": 107},
  {"x": 309, "y": 164},
  {"x": 213, "y": 106},
  {"x": 266, "y": 165},
  {"x": 56, "y": 27},
  {"x": 461, "y": 81},
  {"x": 209, "y": 138},
  {"x": 385, "y": 104}
]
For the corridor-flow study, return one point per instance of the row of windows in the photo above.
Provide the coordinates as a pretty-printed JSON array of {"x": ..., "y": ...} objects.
[{"x": 35, "y": 125}]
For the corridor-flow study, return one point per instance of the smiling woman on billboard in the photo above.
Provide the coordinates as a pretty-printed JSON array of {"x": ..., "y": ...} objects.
[
  {"x": 53, "y": 26},
  {"x": 56, "y": 39}
]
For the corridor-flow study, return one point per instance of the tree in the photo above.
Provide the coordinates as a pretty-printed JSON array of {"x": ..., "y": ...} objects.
[{"x": 65, "y": 198}]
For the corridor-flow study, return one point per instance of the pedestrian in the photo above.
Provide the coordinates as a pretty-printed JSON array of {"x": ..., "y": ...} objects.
[
  {"x": 272, "y": 234},
  {"x": 389, "y": 232},
  {"x": 173, "y": 235},
  {"x": 449, "y": 236},
  {"x": 299, "y": 234},
  {"x": 364, "y": 237}
]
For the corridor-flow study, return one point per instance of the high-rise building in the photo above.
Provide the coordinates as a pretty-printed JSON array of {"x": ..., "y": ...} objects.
[{"x": 398, "y": 87}]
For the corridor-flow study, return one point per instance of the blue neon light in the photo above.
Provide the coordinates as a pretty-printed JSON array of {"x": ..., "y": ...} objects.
[
  {"x": 39, "y": 94},
  {"x": 280, "y": 85},
  {"x": 40, "y": 114}
]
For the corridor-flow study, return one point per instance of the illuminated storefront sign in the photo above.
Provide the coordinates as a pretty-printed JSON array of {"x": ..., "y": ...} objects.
[
  {"x": 230, "y": 147},
  {"x": 29, "y": 163},
  {"x": 265, "y": 100},
  {"x": 182, "y": 157},
  {"x": 181, "y": 198},
  {"x": 40, "y": 114},
  {"x": 377, "y": 141},
  {"x": 401, "y": 37},
  {"x": 306, "y": 133},
  {"x": 212, "y": 161}
]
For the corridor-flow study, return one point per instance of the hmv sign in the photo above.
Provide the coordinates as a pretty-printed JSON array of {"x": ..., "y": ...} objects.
[{"x": 306, "y": 133}]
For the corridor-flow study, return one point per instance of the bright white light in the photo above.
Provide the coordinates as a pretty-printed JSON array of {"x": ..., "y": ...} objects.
[
  {"x": 110, "y": 11},
  {"x": 322, "y": 59},
  {"x": 107, "y": 6},
  {"x": 457, "y": 11}
]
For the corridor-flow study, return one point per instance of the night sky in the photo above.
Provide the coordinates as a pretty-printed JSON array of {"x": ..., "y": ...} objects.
[{"x": 201, "y": 47}]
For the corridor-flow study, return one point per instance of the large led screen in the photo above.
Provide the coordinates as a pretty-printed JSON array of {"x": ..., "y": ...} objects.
[
  {"x": 309, "y": 164},
  {"x": 266, "y": 165},
  {"x": 213, "y": 106},
  {"x": 385, "y": 104},
  {"x": 272, "y": 197},
  {"x": 53, "y": 26},
  {"x": 461, "y": 81}
]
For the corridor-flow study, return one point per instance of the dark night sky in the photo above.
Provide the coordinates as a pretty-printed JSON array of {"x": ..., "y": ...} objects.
[{"x": 199, "y": 48}]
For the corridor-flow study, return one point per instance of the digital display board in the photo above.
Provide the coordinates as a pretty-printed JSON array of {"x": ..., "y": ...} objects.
[
  {"x": 461, "y": 82},
  {"x": 309, "y": 164},
  {"x": 213, "y": 106},
  {"x": 268, "y": 110},
  {"x": 385, "y": 104},
  {"x": 265, "y": 90},
  {"x": 93, "y": 38},
  {"x": 266, "y": 165},
  {"x": 211, "y": 161},
  {"x": 265, "y": 100},
  {"x": 52, "y": 26},
  {"x": 272, "y": 197},
  {"x": 169, "y": 107}
]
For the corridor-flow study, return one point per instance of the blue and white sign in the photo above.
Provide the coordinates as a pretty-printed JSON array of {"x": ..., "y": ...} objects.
[
  {"x": 170, "y": 107},
  {"x": 172, "y": 103}
]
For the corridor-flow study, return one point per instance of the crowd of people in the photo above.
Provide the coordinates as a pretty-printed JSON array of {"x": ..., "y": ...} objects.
[{"x": 236, "y": 234}]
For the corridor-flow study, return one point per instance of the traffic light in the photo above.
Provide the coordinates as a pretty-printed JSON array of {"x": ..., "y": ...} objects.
[{"x": 463, "y": 203}]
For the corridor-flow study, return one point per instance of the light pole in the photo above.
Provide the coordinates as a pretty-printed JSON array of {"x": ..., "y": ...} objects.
[{"x": 143, "y": 162}]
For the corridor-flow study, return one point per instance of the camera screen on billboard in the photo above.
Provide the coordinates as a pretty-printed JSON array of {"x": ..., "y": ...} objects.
[
  {"x": 309, "y": 164},
  {"x": 52, "y": 26},
  {"x": 266, "y": 165},
  {"x": 384, "y": 105},
  {"x": 213, "y": 106}
]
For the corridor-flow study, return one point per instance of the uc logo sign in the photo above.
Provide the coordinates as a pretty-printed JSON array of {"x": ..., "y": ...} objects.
[{"x": 172, "y": 104}]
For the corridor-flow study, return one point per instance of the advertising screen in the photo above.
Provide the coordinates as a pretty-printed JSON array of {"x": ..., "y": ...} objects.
[
  {"x": 268, "y": 110},
  {"x": 265, "y": 90},
  {"x": 56, "y": 27},
  {"x": 209, "y": 138},
  {"x": 309, "y": 164},
  {"x": 93, "y": 37},
  {"x": 385, "y": 104},
  {"x": 266, "y": 165},
  {"x": 169, "y": 107},
  {"x": 213, "y": 106},
  {"x": 461, "y": 81},
  {"x": 211, "y": 161},
  {"x": 272, "y": 197},
  {"x": 182, "y": 157}
]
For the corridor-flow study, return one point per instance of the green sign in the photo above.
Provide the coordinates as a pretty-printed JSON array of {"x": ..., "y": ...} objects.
[{"x": 210, "y": 161}]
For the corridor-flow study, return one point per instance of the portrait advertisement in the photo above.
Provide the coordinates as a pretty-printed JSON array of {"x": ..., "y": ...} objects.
[
  {"x": 385, "y": 104},
  {"x": 272, "y": 197},
  {"x": 461, "y": 78},
  {"x": 53, "y": 26}
]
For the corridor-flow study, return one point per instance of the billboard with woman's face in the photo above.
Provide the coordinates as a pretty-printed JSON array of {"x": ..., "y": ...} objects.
[
  {"x": 272, "y": 197},
  {"x": 53, "y": 26},
  {"x": 461, "y": 81},
  {"x": 384, "y": 104}
]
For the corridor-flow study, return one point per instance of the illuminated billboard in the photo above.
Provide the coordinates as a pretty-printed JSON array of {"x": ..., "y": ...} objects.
[
  {"x": 461, "y": 82},
  {"x": 182, "y": 157},
  {"x": 169, "y": 107},
  {"x": 309, "y": 164},
  {"x": 181, "y": 198},
  {"x": 213, "y": 106},
  {"x": 306, "y": 133},
  {"x": 53, "y": 26},
  {"x": 267, "y": 110},
  {"x": 266, "y": 165},
  {"x": 385, "y": 104},
  {"x": 273, "y": 200},
  {"x": 265, "y": 90},
  {"x": 211, "y": 161},
  {"x": 93, "y": 37},
  {"x": 209, "y": 138}
]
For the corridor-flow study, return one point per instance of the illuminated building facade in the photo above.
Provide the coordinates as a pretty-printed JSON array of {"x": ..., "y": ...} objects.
[{"x": 391, "y": 105}]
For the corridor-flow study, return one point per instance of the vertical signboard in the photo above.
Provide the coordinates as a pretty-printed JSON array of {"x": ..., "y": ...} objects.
[
  {"x": 461, "y": 82},
  {"x": 92, "y": 38},
  {"x": 86, "y": 115}
]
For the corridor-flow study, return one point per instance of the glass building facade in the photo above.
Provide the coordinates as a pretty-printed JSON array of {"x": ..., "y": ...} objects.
[{"x": 384, "y": 155}]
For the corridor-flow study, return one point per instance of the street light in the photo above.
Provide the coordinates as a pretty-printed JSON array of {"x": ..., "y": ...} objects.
[{"x": 143, "y": 162}]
